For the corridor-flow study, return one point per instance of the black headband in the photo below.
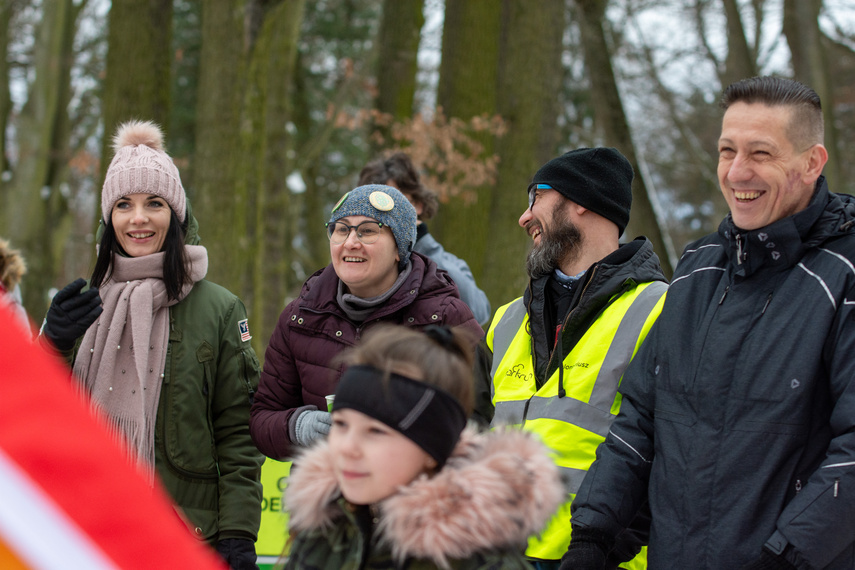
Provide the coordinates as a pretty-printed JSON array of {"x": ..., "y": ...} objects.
[{"x": 427, "y": 415}]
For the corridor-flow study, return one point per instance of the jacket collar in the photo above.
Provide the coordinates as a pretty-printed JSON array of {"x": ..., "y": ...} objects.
[
  {"x": 632, "y": 263},
  {"x": 321, "y": 288},
  {"x": 782, "y": 244},
  {"x": 496, "y": 489}
]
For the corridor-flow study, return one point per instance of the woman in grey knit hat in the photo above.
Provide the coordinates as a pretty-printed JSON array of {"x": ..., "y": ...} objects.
[
  {"x": 164, "y": 354},
  {"x": 374, "y": 277}
]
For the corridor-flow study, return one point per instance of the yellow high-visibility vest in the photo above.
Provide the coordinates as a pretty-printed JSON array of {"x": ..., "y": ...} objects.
[{"x": 574, "y": 425}]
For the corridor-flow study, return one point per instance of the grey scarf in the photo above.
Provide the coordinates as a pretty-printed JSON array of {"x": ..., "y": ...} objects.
[{"x": 358, "y": 309}]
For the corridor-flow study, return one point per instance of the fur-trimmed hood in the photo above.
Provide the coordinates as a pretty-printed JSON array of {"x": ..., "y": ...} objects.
[{"x": 497, "y": 489}]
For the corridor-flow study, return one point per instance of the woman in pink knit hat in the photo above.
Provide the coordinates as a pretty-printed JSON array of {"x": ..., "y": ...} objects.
[{"x": 162, "y": 353}]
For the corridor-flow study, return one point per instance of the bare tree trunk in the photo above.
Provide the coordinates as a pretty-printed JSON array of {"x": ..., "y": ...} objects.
[
  {"x": 267, "y": 109},
  {"x": 316, "y": 249},
  {"x": 610, "y": 115},
  {"x": 740, "y": 62},
  {"x": 221, "y": 202},
  {"x": 35, "y": 211},
  {"x": 397, "y": 57},
  {"x": 467, "y": 88},
  {"x": 527, "y": 101},
  {"x": 811, "y": 67},
  {"x": 138, "y": 67},
  {"x": 7, "y": 11}
]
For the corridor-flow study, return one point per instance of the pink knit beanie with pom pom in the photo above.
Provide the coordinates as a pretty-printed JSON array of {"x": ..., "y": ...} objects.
[{"x": 141, "y": 166}]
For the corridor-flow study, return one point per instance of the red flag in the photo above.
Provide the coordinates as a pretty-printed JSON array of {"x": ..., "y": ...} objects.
[{"x": 68, "y": 497}]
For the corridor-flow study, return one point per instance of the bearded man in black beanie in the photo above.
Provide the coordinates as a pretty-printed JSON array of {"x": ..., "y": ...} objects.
[{"x": 558, "y": 352}]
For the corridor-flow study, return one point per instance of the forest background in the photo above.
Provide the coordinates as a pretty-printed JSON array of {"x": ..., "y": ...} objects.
[{"x": 271, "y": 108}]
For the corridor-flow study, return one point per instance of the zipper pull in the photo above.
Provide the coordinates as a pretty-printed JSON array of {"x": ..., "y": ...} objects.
[
  {"x": 766, "y": 306},
  {"x": 726, "y": 289},
  {"x": 798, "y": 486},
  {"x": 740, "y": 254},
  {"x": 836, "y": 487}
]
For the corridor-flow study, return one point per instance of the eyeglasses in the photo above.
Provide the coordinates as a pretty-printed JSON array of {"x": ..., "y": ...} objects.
[
  {"x": 366, "y": 232},
  {"x": 532, "y": 192}
]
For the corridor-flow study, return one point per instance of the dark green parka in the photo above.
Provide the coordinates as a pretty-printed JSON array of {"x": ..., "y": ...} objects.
[{"x": 203, "y": 452}]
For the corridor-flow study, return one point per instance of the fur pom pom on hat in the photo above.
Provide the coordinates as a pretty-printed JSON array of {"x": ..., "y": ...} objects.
[
  {"x": 141, "y": 166},
  {"x": 386, "y": 205}
]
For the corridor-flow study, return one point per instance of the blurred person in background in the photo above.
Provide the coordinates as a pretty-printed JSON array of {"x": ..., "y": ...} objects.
[{"x": 12, "y": 269}]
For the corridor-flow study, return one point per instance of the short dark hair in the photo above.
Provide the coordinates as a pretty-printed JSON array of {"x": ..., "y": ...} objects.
[
  {"x": 400, "y": 169},
  {"x": 806, "y": 126},
  {"x": 175, "y": 274}
]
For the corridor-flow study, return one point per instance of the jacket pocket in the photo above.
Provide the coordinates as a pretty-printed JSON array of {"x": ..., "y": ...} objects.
[
  {"x": 250, "y": 372},
  {"x": 675, "y": 407},
  {"x": 673, "y": 401},
  {"x": 197, "y": 502},
  {"x": 188, "y": 426}
]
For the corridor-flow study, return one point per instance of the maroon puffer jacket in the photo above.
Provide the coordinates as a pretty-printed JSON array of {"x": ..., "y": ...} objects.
[{"x": 313, "y": 329}]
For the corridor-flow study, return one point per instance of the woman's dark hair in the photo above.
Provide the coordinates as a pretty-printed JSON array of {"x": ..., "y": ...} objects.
[{"x": 175, "y": 274}]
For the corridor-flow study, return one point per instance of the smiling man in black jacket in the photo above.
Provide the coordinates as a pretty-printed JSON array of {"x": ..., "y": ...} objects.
[{"x": 738, "y": 419}]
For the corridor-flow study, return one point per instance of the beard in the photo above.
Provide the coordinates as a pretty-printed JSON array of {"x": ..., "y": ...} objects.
[{"x": 564, "y": 243}]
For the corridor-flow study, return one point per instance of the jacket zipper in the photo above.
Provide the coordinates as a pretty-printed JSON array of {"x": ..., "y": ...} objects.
[
  {"x": 766, "y": 306},
  {"x": 561, "y": 356},
  {"x": 740, "y": 253}
]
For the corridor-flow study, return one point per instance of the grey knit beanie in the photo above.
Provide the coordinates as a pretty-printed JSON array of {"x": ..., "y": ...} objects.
[
  {"x": 141, "y": 166},
  {"x": 386, "y": 205},
  {"x": 599, "y": 179}
]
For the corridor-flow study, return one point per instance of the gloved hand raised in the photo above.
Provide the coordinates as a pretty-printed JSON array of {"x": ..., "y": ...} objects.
[
  {"x": 71, "y": 313},
  {"x": 311, "y": 425}
]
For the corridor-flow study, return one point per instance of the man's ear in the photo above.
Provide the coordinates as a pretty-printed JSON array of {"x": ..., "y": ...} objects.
[
  {"x": 815, "y": 159},
  {"x": 579, "y": 209}
]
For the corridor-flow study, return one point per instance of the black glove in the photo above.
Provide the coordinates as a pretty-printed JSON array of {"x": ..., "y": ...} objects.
[
  {"x": 583, "y": 556},
  {"x": 587, "y": 551},
  {"x": 769, "y": 561},
  {"x": 71, "y": 313},
  {"x": 238, "y": 552}
]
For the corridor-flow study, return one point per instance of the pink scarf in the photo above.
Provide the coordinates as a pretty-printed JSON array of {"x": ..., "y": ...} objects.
[{"x": 121, "y": 360}]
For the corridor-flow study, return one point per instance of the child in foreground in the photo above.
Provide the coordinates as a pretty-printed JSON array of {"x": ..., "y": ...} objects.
[{"x": 401, "y": 482}]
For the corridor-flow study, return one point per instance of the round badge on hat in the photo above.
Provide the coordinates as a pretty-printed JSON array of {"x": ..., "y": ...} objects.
[{"x": 381, "y": 201}]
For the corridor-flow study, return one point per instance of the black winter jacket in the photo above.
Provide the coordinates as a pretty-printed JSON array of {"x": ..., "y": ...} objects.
[{"x": 738, "y": 420}]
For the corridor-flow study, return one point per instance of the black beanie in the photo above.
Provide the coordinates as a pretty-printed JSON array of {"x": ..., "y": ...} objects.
[
  {"x": 430, "y": 417},
  {"x": 599, "y": 179}
]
